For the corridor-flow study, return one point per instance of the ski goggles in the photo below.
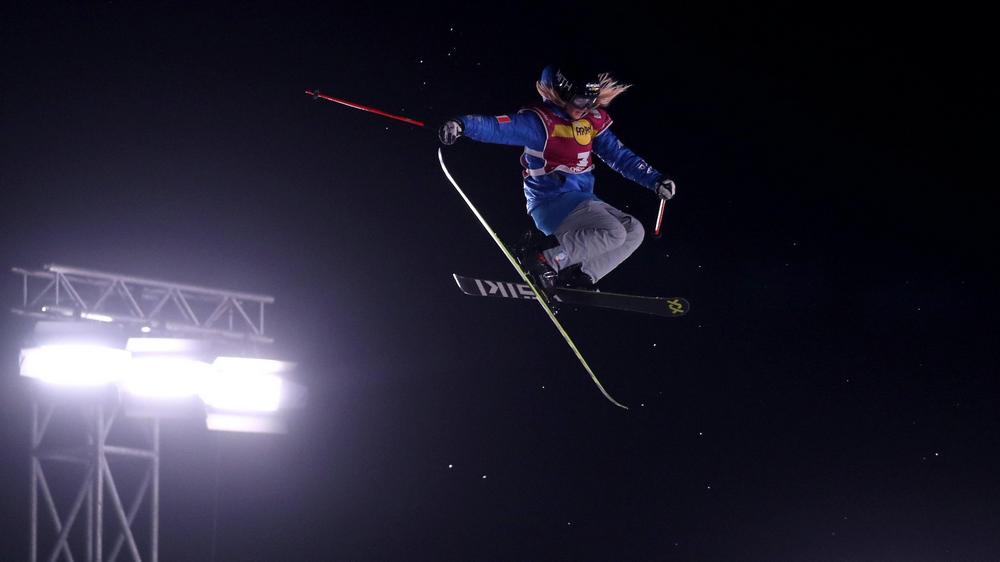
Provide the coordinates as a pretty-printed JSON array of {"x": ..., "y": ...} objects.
[{"x": 581, "y": 102}]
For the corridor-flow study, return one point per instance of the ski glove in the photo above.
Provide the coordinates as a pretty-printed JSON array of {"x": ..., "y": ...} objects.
[
  {"x": 450, "y": 131},
  {"x": 665, "y": 188}
]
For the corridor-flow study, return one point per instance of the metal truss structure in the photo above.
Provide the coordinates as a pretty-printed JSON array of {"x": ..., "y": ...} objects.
[
  {"x": 152, "y": 307},
  {"x": 149, "y": 305},
  {"x": 96, "y": 485}
]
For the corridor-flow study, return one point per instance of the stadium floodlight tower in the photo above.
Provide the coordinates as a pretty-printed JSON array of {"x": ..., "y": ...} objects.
[{"x": 111, "y": 356}]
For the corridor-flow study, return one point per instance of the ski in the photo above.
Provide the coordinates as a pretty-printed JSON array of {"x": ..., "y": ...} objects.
[
  {"x": 527, "y": 280},
  {"x": 669, "y": 307}
]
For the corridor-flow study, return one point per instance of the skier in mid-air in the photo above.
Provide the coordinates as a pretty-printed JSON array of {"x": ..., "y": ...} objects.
[{"x": 586, "y": 238}]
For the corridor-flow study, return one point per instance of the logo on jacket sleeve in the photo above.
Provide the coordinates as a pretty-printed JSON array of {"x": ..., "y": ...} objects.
[{"x": 503, "y": 119}]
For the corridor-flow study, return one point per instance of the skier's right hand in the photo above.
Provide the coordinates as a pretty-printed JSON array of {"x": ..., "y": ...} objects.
[
  {"x": 665, "y": 188},
  {"x": 450, "y": 131}
]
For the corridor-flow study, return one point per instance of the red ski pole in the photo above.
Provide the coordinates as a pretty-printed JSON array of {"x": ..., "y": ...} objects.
[
  {"x": 659, "y": 218},
  {"x": 316, "y": 95}
]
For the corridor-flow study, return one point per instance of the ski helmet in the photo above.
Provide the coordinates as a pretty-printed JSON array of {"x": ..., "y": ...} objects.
[{"x": 576, "y": 86}]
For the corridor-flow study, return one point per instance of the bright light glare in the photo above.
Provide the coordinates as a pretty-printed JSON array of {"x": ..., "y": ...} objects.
[
  {"x": 74, "y": 365},
  {"x": 230, "y": 385},
  {"x": 250, "y": 365},
  {"x": 166, "y": 377},
  {"x": 58, "y": 310},
  {"x": 245, "y": 384},
  {"x": 163, "y": 345},
  {"x": 242, "y": 392},
  {"x": 97, "y": 317},
  {"x": 243, "y": 423}
]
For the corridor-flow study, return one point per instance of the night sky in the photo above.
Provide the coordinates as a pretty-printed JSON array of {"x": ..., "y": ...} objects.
[{"x": 831, "y": 396}]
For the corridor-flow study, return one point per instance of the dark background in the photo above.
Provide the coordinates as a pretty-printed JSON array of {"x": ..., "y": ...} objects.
[{"x": 830, "y": 397}]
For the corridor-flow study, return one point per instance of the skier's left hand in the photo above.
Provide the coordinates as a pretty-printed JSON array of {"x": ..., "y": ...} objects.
[
  {"x": 450, "y": 131},
  {"x": 665, "y": 188}
]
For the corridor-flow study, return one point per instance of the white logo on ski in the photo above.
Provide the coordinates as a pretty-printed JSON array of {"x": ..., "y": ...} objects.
[{"x": 507, "y": 289}]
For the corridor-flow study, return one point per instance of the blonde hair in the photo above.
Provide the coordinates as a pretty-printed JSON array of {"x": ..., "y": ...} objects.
[{"x": 610, "y": 89}]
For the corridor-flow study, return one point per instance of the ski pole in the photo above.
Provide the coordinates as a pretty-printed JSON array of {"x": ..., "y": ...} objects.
[
  {"x": 317, "y": 95},
  {"x": 659, "y": 218}
]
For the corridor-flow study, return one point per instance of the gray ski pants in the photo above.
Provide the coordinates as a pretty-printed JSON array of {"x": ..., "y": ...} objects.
[{"x": 597, "y": 236}]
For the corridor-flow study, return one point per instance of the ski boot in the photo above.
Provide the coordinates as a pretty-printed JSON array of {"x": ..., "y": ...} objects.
[
  {"x": 573, "y": 277},
  {"x": 529, "y": 254}
]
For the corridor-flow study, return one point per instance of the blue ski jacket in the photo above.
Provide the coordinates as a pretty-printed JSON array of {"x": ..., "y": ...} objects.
[{"x": 551, "y": 197}]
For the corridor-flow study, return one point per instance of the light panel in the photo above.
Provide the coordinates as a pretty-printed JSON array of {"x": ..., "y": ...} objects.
[
  {"x": 74, "y": 365},
  {"x": 245, "y": 423},
  {"x": 238, "y": 393},
  {"x": 251, "y": 365},
  {"x": 242, "y": 392},
  {"x": 166, "y": 377},
  {"x": 96, "y": 317},
  {"x": 165, "y": 345}
]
